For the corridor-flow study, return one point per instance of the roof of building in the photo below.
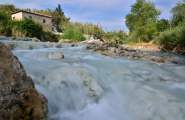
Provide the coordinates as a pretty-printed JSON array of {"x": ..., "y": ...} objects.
[{"x": 32, "y": 13}]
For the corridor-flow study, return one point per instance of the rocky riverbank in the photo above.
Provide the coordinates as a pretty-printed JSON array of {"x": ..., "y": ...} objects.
[
  {"x": 19, "y": 99},
  {"x": 134, "y": 53}
]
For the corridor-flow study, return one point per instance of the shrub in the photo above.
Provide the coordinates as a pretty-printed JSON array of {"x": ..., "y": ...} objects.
[
  {"x": 73, "y": 34},
  {"x": 27, "y": 28},
  {"x": 116, "y": 37},
  {"x": 49, "y": 36},
  {"x": 173, "y": 39},
  {"x": 98, "y": 33}
]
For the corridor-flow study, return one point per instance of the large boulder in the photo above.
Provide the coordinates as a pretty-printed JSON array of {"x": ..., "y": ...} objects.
[{"x": 19, "y": 99}]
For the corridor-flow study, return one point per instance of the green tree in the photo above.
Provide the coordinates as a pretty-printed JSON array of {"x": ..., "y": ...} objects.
[
  {"x": 59, "y": 18},
  {"x": 5, "y": 24},
  {"x": 142, "y": 20},
  {"x": 163, "y": 25},
  {"x": 8, "y": 9},
  {"x": 178, "y": 13},
  {"x": 174, "y": 38}
]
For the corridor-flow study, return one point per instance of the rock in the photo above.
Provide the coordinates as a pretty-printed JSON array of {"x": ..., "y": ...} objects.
[
  {"x": 25, "y": 39},
  {"x": 12, "y": 46},
  {"x": 91, "y": 46},
  {"x": 136, "y": 54},
  {"x": 59, "y": 45},
  {"x": 35, "y": 39},
  {"x": 93, "y": 41},
  {"x": 157, "y": 59},
  {"x": 19, "y": 99},
  {"x": 73, "y": 45},
  {"x": 113, "y": 49},
  {"x": 56, "y": 55},
  {"x": 178, "y": 61},
  {"x": 4, "y": 38}
]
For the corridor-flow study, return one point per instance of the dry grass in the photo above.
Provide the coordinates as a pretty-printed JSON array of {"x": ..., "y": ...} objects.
[{"x": 144, "y": 46}]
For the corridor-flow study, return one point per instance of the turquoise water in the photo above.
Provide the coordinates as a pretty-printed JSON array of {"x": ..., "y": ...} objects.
[{"x": 89, "y": 86}]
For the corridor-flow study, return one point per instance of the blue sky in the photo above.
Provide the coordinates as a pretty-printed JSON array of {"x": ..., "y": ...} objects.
[{"x": 107, "y": 13}]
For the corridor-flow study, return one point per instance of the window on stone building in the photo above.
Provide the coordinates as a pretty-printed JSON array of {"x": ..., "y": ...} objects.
[{"x": 44, "y": 21}]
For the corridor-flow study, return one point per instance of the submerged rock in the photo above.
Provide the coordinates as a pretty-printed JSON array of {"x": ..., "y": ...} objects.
[
  {"x": 19, "y": 99},
  {"x": 56, "y": 55},
  {"x": 73, "y": 45},
  {"x": 26, "y": 39},
  {"x": 59, "y": 45},
  {"x": 4, "y": 38}
]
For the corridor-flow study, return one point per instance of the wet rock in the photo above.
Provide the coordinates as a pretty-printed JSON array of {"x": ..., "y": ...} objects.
[
  {"x": 26, "y": 39},
  {"x": 156, "y": 59},
  {"x": 19, "y": 99},
  {"x": 58, "y": 45},
  {"x": 4, "y": 38},
  {"x": 109, "y": 50},
  {"x": 93, "y": 41},
  {"x": 11, "y": 46},
  {"x": 113, "y": 50},
  {"x": 178, "y": 61},
  {"x": 35, "y": 40},
  {"x": 73, "y": 45},
  {"x": 56, "y": 55},
  {"x": 91, "y": 46}
]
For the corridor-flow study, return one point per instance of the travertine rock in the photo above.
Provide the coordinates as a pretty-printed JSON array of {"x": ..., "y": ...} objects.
[{"x": 19, "y": 99}]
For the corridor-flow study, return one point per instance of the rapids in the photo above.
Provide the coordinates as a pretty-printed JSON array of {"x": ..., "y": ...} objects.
[{"x": 89, "y": 86}]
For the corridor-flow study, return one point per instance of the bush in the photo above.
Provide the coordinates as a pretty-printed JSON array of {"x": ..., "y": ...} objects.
[
  {"x": 73, "y": 34},
  {"x": 98, "y": 33},
  {"x": 173, "y": 39},
  {"x": 27, "y": 28},
  {"x": 115, "y": 37},
  {"x": 49, "y": 36}
]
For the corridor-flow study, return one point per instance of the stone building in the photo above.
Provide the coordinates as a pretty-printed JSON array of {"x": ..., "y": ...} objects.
[{"x": 44, "y": 20}]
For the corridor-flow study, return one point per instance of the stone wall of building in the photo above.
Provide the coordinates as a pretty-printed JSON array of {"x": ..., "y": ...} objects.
[
  {"x": 17, "y": 16},
  {"x": 45, "y": 21}
]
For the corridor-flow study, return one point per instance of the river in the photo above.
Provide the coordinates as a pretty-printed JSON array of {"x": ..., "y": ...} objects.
[{"x": 88, "y": 86}]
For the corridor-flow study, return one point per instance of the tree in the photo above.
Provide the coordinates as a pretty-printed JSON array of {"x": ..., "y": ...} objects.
[
  {"x": 8, "y": 9},
  {"x": 59, "y": 18},
  {"x": 163, "y": 25},
  {"x": 142, "y": 20},
  {"x": 5, "y": 24},
  {"x": 178, "y": 13},
  {"x": 174, "y": 38}
]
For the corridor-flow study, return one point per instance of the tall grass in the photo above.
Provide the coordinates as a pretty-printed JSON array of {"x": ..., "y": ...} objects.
[{"x": 72, "y": 33}]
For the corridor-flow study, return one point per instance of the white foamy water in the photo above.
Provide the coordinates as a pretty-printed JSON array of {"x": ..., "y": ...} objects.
[{"x": 88, "y": 86}]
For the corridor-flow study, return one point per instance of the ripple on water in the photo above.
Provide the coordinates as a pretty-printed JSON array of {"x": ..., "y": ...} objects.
[{"x": 89, "y": 86}]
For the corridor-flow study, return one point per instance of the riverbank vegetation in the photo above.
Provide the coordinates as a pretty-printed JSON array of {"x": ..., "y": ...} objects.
[
  {"x": 145, "y": 25},
  {"x": 72, "y": 33},
  {"x": 24, "y": 28}
]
